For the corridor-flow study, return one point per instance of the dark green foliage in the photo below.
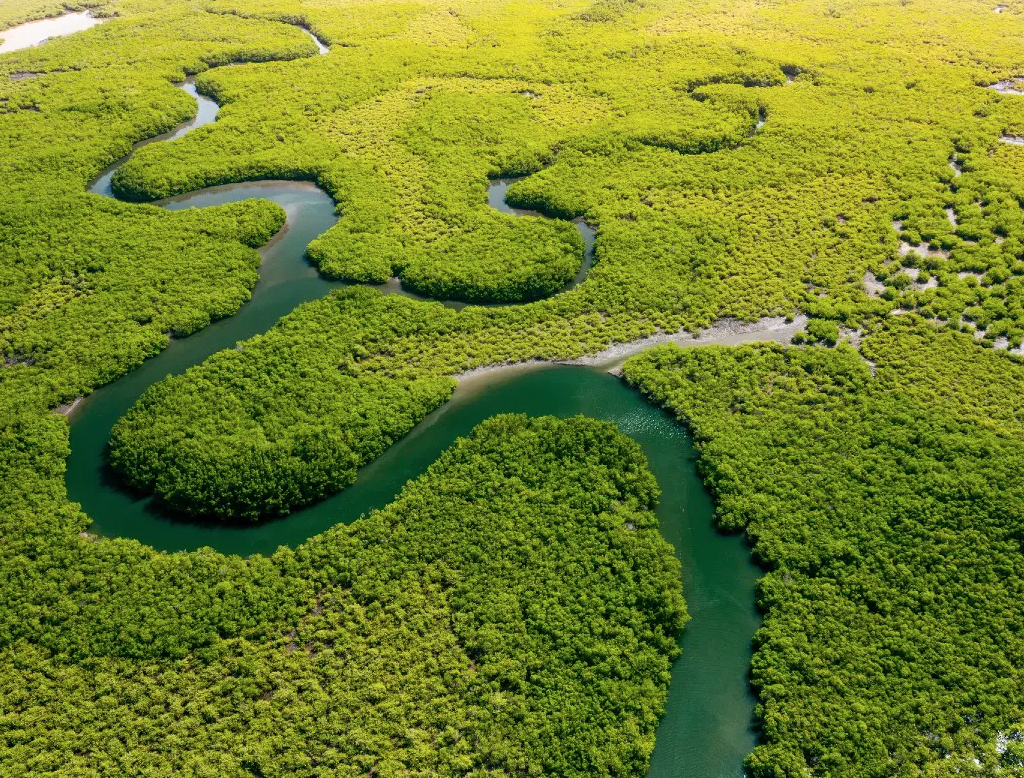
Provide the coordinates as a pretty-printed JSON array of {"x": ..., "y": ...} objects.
[
  {"x": 819, "y": 331},
  {"x": 83, "y": 315},
  {"x": 284, "y": 420},
  {"x": 90, "y": 287},
  {"x": 888, "y": 513},
  {"x": 515, "y": 610}
]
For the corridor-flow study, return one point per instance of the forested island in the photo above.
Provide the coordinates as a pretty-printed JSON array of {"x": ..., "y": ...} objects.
[{"x": 249, "y": 252}]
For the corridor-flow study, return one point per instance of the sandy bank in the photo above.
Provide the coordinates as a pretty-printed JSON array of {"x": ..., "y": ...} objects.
[
  {"x": 726, "y": 332},
  {"x": 65, "y": 409}
]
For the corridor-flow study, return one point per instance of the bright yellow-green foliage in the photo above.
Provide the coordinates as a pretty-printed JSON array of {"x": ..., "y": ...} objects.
[
  {"x": 640, "y": 116},
  {"x": 417, "y": 104}
]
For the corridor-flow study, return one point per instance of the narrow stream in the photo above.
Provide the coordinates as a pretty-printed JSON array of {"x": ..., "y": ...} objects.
[
  {"x": 706, "y": 730},
  {"x": 496, "y": 191},
  {"x": 321, "y": 47},
  {"x": 206, "y": 114},
  {"x": 308, "y": 209}
]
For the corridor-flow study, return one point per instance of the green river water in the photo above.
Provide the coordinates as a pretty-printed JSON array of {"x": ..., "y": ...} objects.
[{"x": 706, "y": 730}]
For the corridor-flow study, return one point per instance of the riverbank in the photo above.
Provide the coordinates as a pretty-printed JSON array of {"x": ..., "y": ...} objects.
[
  {"x": 725, "y": 332},
  {"x": 66, "y": 409},
  {"x": 706, "y": 728}
]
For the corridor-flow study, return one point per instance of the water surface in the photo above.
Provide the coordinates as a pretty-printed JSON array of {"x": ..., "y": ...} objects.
[
  {"x": 706, "y": 730},
  {"x": 321, "y": 47},
  {"x": 33, "y": 33},
  {"x": 206, "y": 114},
  {"x": 497, "y": 189}
]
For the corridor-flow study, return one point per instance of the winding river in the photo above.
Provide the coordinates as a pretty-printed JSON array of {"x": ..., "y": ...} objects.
[{"x": 706, "y": 730}]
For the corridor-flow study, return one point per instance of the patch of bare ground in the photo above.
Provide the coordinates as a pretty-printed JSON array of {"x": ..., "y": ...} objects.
[
  {"x": 725, "y": 332},
  {"x": 875, "y": 288},
  {"x": 872, "y": 285},
  {"x": 1009, "y": 86},
  {"x": 922, "y": 250},
  {"x": 917, "y": 284},
  {"x": 66, "y": 409},
  {"x": 854, "y": 337}
]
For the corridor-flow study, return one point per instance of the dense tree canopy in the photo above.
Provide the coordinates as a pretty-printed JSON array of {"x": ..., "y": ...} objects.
[
  {"x": 888, "y": 512},
  {"x": 841, "y": 159},
  {"x": 514, "y": 611},
  {"x": 289, "y": 418}
]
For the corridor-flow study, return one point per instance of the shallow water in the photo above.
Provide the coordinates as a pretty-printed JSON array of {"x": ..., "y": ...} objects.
[
  {"x": 33, "y": 33},
  {"x": 321, "y": 47},
  {"x": 497, "y": 189}
]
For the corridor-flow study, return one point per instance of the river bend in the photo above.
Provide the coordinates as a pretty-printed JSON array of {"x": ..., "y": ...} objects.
[{"x": 706, "y": 730}]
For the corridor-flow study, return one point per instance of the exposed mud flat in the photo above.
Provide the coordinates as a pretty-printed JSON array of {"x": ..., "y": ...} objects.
[
  {"x": 1010, "y": 86},
  {"x": 66, "y": 409},
  {"x": 853, "y": 337},
  {"x": 726, "y": 332},
  {"x": 872, "y": 286},
  {"x": 922, "y": 250},
  {"x": 915, "y": 276}
]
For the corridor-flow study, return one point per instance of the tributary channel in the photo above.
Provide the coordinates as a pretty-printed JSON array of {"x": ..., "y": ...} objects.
[{"x": 706, "y": 730}]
